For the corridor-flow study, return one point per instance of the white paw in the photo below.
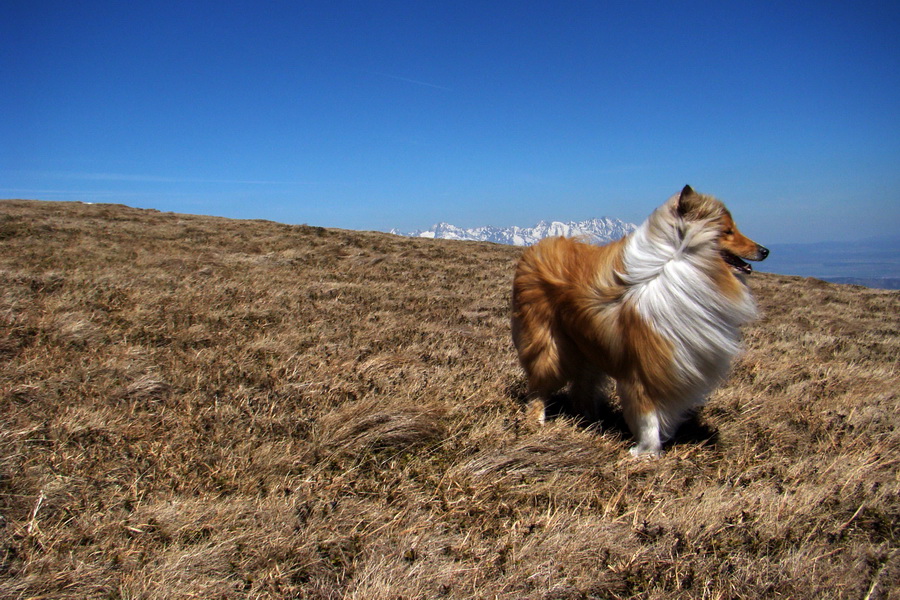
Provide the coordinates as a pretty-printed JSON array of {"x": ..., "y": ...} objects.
[
  {"x": 645, "y": 451},
  {"x": 646, "y": 430}
]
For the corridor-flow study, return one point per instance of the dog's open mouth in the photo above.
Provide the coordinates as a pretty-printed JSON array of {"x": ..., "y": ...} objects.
[{"x": 736, "y": 263}]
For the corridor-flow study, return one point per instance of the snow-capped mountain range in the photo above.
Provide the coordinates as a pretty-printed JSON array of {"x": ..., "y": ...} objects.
[{"x": 599, "y": 231}]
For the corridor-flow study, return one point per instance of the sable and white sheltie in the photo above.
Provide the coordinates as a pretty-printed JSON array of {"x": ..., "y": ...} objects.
[{"x": 659, "y": 311}]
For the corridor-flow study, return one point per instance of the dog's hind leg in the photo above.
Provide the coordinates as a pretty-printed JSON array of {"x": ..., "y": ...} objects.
[
  {"x": 587, "y": 392},
  {"x": 536, "y": 410},
  {"x": 540, "y": 357},
  {"x": 542, "y": 382}
]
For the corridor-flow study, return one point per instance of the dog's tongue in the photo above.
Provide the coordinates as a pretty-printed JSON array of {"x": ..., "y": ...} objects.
[{"x": 737, "y": 263}]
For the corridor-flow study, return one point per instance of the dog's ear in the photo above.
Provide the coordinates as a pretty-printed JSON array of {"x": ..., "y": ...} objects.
[{"x": 685, "y": 200}]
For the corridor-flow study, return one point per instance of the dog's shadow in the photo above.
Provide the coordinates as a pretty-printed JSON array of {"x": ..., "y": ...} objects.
[{"x": 610, "y": 418}]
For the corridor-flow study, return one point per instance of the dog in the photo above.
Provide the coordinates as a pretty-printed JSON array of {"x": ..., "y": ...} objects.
[{"x": 659, "y": 311}]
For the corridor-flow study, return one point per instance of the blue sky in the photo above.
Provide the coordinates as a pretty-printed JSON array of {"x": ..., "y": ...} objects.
[{"x": 373, "y": 115}]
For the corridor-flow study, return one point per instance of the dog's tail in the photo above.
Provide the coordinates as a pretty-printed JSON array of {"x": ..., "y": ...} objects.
[{"x": 532, "y": 327}]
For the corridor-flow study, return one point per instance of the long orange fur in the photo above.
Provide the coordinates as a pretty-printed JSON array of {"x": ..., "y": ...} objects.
[{"x": 657, "y": 311}]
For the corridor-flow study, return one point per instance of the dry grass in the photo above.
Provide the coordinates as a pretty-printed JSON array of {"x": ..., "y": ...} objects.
[{"x": 203, "y": 408}]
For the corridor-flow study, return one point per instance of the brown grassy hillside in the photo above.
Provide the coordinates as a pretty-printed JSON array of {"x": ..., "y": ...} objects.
[{"x": 194, "y": 407}]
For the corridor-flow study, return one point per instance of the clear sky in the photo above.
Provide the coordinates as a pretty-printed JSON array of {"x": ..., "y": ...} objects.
[{"x": 373, "y": 115}]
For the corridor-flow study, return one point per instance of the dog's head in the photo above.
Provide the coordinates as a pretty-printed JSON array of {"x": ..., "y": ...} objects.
[{"x": 734, "y": 245}]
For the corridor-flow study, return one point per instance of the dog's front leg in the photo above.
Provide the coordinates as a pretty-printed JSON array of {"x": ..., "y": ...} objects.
[
  {"x": 647, "y": 431},
  {"x": 643, "y": 418}
]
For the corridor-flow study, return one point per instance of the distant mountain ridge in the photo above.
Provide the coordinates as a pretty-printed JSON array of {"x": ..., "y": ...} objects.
[
  {"x": 872, "y": 263},
  {"x": 602, "y": 230}
]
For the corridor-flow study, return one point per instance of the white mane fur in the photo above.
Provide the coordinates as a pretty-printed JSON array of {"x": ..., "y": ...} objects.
[{"x": 669, "y": 266}]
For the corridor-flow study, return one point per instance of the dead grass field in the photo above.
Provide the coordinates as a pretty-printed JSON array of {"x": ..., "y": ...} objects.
[{"x": 196, "y": 407}]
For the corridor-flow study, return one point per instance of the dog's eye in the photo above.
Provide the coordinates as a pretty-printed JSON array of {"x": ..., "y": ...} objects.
[{"x": 729, "y": 232}]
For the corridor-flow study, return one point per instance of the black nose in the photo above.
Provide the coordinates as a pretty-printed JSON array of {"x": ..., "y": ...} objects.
[{"x": 762, "y": 252}]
